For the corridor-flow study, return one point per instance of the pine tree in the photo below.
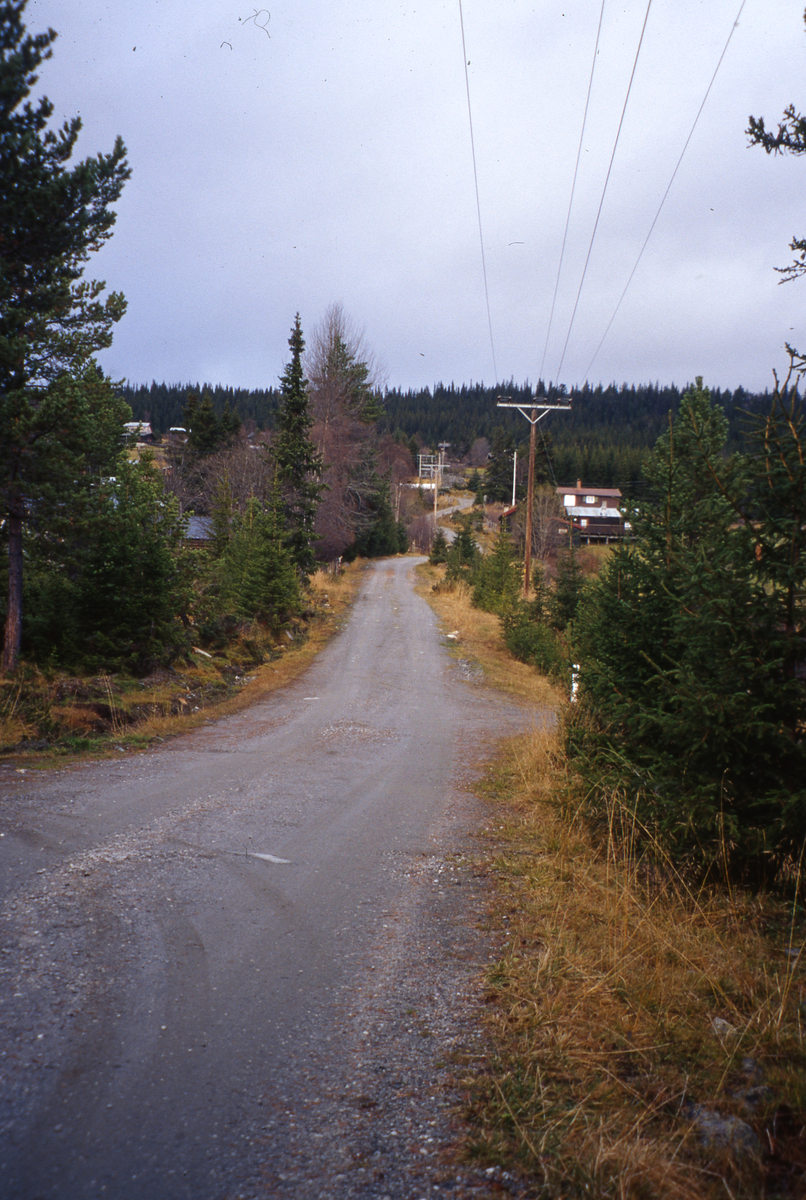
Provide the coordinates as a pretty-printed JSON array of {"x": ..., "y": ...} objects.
[
  {"x": 789, "y": 139},
  {"x": 299, "y": 466},
  {"x": 51, "y": 322}
]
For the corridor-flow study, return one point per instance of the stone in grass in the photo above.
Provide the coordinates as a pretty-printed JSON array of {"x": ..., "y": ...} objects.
[
  {"x": 756, "y": 1097},
  {"x": 727, "y": 1133},
  {"x": 723, "y": 1029}
]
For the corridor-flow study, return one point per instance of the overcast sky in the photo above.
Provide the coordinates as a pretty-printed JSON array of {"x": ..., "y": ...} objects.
[{"x": 313, "y": 152}]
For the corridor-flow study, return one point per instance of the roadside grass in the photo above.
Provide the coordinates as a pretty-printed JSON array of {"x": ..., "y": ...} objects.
[
  {"x": 645, "y": 1035},
  {"x": 46, "y": 716},
  {"x": 478, "y": 638}
]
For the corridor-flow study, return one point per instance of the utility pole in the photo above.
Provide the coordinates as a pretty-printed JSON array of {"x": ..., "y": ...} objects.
[
  {"x": 531, "y": 414},
  {"x": 432, "y": 464}
]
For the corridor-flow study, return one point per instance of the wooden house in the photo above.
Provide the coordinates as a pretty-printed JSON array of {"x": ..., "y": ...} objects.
[
  {"x": 138, "y": 431},
  {"x": 594, "y": 511}
]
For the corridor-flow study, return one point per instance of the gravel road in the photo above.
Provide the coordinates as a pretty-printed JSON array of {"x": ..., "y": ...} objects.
[{"x": 246, "y": 964}]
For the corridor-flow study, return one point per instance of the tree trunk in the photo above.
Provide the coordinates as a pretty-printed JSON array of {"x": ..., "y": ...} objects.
[{"x": 13, "y": 631}]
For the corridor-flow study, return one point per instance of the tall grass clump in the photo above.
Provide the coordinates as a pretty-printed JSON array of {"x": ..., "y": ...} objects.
[{"x": 645, "y": 1032}]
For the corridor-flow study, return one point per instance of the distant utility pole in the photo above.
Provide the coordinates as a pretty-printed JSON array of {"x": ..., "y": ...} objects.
[
  {"x": 431, "y": 465},
  {"x": 531, "y": 414}
]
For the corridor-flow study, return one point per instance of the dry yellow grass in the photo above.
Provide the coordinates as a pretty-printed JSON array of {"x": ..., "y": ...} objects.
[
  {"x": 13, "y": 725},
  {"x": 479, "y": 639},
  {"x": 625, "y": 1001}
]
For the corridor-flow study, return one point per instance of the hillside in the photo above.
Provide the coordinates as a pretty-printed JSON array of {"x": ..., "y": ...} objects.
[{"x": 603, "y": 439}]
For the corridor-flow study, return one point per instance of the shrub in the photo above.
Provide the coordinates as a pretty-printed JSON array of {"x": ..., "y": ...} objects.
[
  {"x": 533, "y": 641},
  {"x": 498, "y": 578},
  {"x": 439, "y": 548}
]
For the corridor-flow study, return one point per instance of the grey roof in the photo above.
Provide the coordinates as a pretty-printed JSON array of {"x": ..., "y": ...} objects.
[{"x": 200, "y": 529}]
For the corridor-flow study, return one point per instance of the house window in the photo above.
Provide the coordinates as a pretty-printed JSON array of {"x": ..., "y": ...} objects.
[
  {"x": 590, "y": 499},
  {"x": 569, "y": 501},
  {"x": 583, "y": 521}
]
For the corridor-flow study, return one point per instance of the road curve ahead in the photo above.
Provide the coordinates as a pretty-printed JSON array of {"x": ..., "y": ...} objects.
[{"x": 187, "y": 933}]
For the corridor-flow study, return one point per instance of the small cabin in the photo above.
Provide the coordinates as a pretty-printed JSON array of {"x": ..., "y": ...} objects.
[{"x": 199, "y": 531}]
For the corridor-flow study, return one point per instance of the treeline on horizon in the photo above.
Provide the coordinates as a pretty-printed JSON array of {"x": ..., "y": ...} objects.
[{"x": 602, "y": 440}]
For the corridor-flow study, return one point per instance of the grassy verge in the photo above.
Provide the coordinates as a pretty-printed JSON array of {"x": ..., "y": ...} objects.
[
  {"x": 46, "y": 716},
  {"x": 477, "y": 637},
  {"x": 646, "y": 1036}
]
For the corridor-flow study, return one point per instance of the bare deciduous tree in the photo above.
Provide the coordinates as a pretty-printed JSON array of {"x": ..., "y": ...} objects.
[
  {"x": 547, "y": 515},
  {"x": 345, "y": 381},
  {"x": 245, "y": 465},
  {"x": 479, "y": 453},
  {"x": 344, "y": 375}
]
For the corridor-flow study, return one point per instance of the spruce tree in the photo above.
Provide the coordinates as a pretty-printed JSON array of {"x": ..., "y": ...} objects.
[
  {"x": 690, "y": 642},
  {"x": 258, "y": 575},
  {"x": 569, "y": 589},
  {"x": 498, "y": 578},
  {"x": 222, "y": 511},
  {"x": 463, "y": 555},
  {"x": 378, "y": 532},
  {"x": 131, "y": 583},
  {"x": 790, "y": 138},
  {"x": 299, "y": 466},
  {"x": 498, "y": 480},
  {"x": 439, "y": 548},
  {"x": 207, "y": 432}
]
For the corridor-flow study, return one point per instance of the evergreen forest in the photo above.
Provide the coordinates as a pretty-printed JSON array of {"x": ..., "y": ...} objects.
[
  {"x": 602, "y": 440},
  {"x": 163, "y": 404}
]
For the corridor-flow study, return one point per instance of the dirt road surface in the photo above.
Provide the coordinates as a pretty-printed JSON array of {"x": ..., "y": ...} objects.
[{"x": 245, "y": 964}]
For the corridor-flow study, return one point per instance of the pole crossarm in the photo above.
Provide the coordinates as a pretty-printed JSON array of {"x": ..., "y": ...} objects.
[
  {"x": 530, "y": 411},
  {"x": 527, "y": 409}
]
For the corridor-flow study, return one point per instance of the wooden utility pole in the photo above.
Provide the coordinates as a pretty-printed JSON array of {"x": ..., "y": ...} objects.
[
  {"x": 532, "y": 417},
  {"x": 530, "y": 503}
]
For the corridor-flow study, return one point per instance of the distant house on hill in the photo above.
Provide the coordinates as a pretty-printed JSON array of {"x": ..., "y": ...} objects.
[
  {"x": 138, "y": 431},
  {"x": 594, "y": 511}
]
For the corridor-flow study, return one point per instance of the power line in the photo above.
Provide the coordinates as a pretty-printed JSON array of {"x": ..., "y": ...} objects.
[
  {"x": 604, "y": 189},
  {"x": 573, "y": 189},
  {"x": 669, "y": 187},
  {"x": 476, "y": 181}
]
